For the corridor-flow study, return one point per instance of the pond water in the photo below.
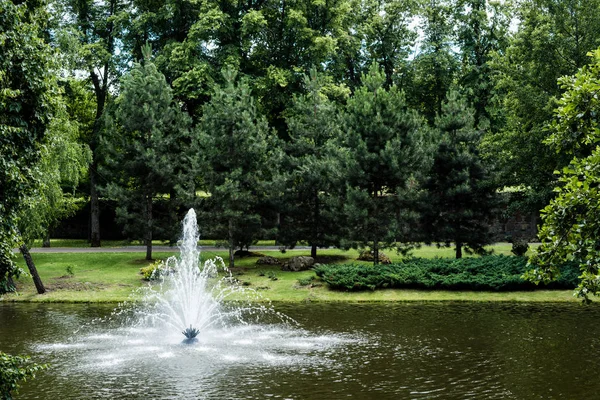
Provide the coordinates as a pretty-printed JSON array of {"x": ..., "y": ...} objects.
[{"x": 359, "y": 351}]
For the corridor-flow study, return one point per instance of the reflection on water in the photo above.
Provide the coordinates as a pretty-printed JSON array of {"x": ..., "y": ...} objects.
[{"x": 361, "y": 351}]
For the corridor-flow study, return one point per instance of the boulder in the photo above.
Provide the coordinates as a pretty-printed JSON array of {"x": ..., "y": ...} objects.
[
  {"x": 299, "y": 263},
  {"x": 267, "y": 260}
]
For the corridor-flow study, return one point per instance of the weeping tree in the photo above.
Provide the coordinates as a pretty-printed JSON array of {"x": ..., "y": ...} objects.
[
  {"x": 239, "y": 155},
  {"x": 459, "y": 195},
  {"x": 311, "y": 201},
  {"x": 27, "y": 103},
  {"x": 389, "y": 149},
  {"x": 63, "y": 163},
  {"x": 145, "y": 143}
]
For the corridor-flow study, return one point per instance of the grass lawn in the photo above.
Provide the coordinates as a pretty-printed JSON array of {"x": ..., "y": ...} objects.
[{"x": 113, "y": 277}]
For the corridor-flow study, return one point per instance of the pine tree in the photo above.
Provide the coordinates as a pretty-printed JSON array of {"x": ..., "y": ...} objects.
[
  {"x": 145, "y": 149},
  {"x": 459, "y": 196},
  {"x": 310, "y": 203},
  {"x": 389, "y": 150},
  {"x": 240, "y": 155}
]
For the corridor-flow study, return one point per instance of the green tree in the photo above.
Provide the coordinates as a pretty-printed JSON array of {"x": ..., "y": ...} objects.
[
  {"x": 459, "y": 197},
  {"x": 482, "y": 30},
  {"x": 387, "y": 36},
  {"x": 389, "y": 149},
  {"x": 28, "y": 90},
  {"x": 435, "y": 66},
  {"x": 14, "y": 369},
  {"x": 551, "y": 41},
  {"x": 88, "y": 33},
  {"x": 144, "y": 149},
  {"x": 311, "y": 209},
  {"x": 62, "y": 164},
  {"x": 571, "y": 222},
  {"x": 240, "y": 155}
]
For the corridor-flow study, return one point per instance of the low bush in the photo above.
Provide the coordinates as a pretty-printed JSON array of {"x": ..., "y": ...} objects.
[
  {"x": 154, "y": 271},
  {"x": 491, "y": 273}
]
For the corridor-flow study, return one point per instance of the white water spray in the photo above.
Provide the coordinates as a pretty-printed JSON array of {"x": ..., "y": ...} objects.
[{"x": 191, "y": 294}]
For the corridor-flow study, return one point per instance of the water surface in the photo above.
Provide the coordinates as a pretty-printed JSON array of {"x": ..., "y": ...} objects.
[{"x": 359, "y": 351}]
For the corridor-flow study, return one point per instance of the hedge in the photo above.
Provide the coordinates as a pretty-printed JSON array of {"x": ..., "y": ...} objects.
[{"x": 490, "y": 273}]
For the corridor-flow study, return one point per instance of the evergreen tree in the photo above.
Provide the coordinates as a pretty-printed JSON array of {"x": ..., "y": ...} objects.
[
  {"x": 459, "y": 197},
  {"x": 389, "y": 148},
  {"x": 145, "y": 149},
  {"x": 239, "y": 156},
  {"x": 313, "y": 168}
]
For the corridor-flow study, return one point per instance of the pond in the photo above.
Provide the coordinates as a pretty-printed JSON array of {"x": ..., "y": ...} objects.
[{"x": 360, "y": 351}]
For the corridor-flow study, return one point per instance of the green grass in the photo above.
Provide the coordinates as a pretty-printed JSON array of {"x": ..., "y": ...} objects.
[
  {"x": 113, "y": 277},
  {"x": 123, "y": 243}
]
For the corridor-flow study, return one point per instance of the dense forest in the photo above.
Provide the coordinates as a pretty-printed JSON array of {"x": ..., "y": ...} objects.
[{"x": 353, "y": 123}]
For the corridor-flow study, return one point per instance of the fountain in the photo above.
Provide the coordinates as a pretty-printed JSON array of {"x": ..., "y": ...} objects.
[{"x": 190, "y": 295}]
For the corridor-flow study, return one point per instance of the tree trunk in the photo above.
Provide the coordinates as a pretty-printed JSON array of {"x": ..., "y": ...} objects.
[
  {"x": 149, "y": 222},
  {"x": 32, "y": 269},
  {"x": 315, "y": 223},
  {"x": 231, "y": 248},
  {"x": 10, "y": 283},
  {"x": 458, "y": 250},
  {"x": 173, "y": 217},
  {"x": 375, "y": 252},
  {"x": 94, "y": 208},
  {"x": 46, "y": 242}
]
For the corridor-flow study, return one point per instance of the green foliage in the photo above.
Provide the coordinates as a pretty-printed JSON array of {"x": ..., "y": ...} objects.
[
  {"x": 14, "y": 369},
  {"x": 310, "y": 205},
  {"x": 519, "y": 248},
  {"x": 388, "y": 148},
  {"x": 70, "y": 270},
  {"x": 154, "y": 271},
  {"x": 306, "y": 281},
  {"x": 147, "y": 150},
  {"x": 239, "y": 156},
  {"x": 459, "y": 198},
  {"x": 436, "y": 66},
  {"x": 272, "y": 275},
  {"x": 571, "y": 224},
  {"x": 28, "y": 90},
  {"x": 552, "y": 41},
  {"x": 490, "y": 273}
]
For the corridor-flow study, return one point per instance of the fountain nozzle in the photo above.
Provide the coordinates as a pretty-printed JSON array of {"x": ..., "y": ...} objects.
[{"x": 190, "y": 334}]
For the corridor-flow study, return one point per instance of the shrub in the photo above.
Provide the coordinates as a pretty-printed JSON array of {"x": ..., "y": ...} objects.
[
  {"x": 154, "y": 271},
  {"x": 491, "y": 273},
  {"x": 520, "y": 247},
  {"x": 306, "y": 281}
]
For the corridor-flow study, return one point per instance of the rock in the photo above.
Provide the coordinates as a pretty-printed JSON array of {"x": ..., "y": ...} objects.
[
  {"x": 267, "y": 260},
  {"x": 299, "y": 263},
  {"x": 367, "y": 255}
]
